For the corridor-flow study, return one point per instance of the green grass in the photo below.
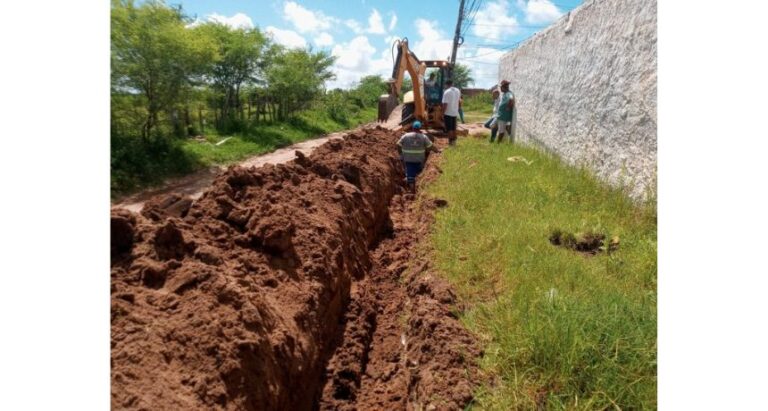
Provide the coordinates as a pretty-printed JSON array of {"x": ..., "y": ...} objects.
[
  {"x": 478, "y": 108},
  {"x": 266, "y": 138},
  {"x": 475, "y": 117},
  {"x": 135, "y": 166},
  {"x": 481, "y": 104},
  {"x": 561, "y": 330}
]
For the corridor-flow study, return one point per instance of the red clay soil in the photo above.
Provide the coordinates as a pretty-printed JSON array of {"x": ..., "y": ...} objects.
[{"x": 288, "y": 287}]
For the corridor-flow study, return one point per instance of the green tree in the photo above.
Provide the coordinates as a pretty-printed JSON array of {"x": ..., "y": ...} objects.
[
  {"x": 406, "y": 86},
  {"x": 368, "y": 90},
  {"x": 155, "y": 55},
  {"x": 241, "y": 61},
  {"x": 339, "y": 105},
  {"x": 462, "y": 76},
  {"x": 297, "y": 77}
]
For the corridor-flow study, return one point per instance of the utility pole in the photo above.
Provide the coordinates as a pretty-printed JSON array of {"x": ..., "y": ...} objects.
[{"x": 456, "y": 38}]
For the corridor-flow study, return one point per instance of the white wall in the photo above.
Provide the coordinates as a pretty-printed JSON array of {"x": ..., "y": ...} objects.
[{"x": 586, "y": 90}]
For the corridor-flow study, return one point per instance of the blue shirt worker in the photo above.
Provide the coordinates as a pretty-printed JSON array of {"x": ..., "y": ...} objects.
[
  {"x": 506, "y": 113},
  {"x": 413, "y": 147}
]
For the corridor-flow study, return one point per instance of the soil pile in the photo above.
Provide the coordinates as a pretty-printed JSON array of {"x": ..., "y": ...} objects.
[{"x": 260, "y": 293}]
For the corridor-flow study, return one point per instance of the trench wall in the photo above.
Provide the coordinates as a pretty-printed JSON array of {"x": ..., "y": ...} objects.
[{"x": 586, "y": 90}]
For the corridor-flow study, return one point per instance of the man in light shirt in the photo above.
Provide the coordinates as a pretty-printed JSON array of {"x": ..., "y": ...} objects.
[{"x": 451, "y": 98}]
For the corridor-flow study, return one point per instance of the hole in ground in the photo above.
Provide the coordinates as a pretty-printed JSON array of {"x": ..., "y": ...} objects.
[{"x": 588, "y": 242}]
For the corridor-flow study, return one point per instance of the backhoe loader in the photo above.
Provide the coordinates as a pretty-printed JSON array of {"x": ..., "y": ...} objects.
[{"x": 424, "y": 102}]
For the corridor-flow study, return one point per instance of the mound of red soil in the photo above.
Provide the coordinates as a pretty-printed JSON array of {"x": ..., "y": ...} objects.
[{"x": 238, "y": 300}]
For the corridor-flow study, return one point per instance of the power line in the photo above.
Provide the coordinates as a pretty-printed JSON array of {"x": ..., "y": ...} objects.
[
  {"x": 485, "y": 54},
  {"x": 492, "y": 46},
  {"x": 479, "y": 62},
  {"x": 473, "y": 9},
  {"x": 469, "y": 21},
  {"x": 467, "y": 11},
  {"x": 488, "y": 38},
  {"x": 523, "y": 26},
  {"x": 500, "y": 48},
  {"x": 456, "y": 36}
]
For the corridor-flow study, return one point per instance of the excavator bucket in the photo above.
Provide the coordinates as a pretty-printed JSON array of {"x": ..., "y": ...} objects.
[{"x": 387, "y": 103}]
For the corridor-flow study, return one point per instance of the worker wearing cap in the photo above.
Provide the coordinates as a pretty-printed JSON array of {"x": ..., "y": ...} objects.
[
  {"x": 506, "y": 112},
  {"x": 413, "y": 147}
]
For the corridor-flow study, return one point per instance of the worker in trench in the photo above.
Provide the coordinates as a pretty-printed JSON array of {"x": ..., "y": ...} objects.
[{"x": 413, "y": 147}]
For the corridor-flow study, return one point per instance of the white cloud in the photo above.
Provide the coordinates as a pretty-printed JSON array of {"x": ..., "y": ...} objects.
[
  {"x": 392, "y": 21},
  {"x": 495, "y": 21},
  {"x": 375, "y": 23},
  {"x": 324, "y": 39},
  {"x": 432, "y": 44},
  {"x": 541, "y": 12},
  {"x": 484, "y": 64},
  {"x": 305, "y": 20},
  {"x": 237, "y": 21},
  {"x": 357, "y": 58},
  {"x": 355, "y": 54},
  {"x": 287, "y": 38},
  {"x": 354, "y": 25}
]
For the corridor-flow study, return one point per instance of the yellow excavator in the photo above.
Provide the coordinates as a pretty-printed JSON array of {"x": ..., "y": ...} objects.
[{"x": 424, "y": 102}]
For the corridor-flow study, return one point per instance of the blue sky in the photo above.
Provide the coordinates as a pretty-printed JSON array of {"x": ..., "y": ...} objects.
[{"x": 360, "y": 32}]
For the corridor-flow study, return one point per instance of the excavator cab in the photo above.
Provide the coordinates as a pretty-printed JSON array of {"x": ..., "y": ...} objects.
[{"x": 434, "y": 85}]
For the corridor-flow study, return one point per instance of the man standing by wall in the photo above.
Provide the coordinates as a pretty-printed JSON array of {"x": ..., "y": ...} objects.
[
  {"x": 506, "y": 112},
  {"x": 451, "y": 98},
  {"x": 492, "y": 121}
]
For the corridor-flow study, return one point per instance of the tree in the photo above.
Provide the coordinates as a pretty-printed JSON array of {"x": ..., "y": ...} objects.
[
  {"x": 462, "y": 76},
  {"x": 367, "y": 92},
  {"x": 406, "y": 86},
  {"x": 296, "y": 77},
  {"x": 241, "y": 61},
  {"x": 155, "y": 55}
]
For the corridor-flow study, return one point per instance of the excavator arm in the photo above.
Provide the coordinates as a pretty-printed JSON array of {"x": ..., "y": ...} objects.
[{"x": 405, "y": 61}]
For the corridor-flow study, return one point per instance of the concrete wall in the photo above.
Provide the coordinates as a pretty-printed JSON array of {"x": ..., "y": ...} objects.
[{"x": 586, "y": 90}]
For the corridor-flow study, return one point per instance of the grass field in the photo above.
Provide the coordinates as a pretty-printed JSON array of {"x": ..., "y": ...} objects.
[
  {"x": 478, "y": 108},
  {"x": 268, "y": 138},
  {"x": 562, "y": 330}
]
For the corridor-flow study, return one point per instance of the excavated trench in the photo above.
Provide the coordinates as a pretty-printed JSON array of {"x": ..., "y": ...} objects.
[{"x": 295, "y": 287}]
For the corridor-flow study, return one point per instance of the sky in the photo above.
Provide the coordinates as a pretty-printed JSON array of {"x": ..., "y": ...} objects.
[{"x": 360, "y": 33}]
